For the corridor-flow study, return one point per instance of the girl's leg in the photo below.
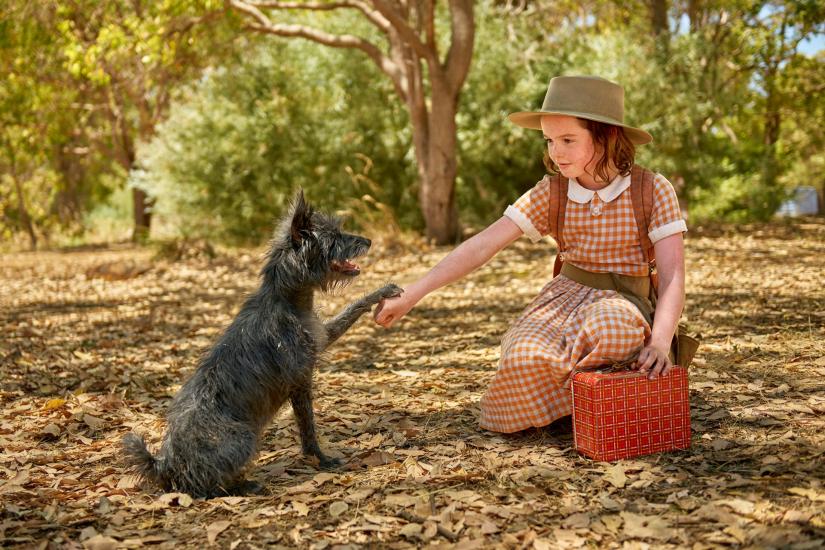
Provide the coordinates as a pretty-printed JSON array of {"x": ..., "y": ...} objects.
[
  {"x": 527, "y": 389},
  {"x": 612, "y": 331}
]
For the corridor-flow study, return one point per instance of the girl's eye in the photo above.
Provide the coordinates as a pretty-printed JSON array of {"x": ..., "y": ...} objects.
[{"x": 568, "y": 141}]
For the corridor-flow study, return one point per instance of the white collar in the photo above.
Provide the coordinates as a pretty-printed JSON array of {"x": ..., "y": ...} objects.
[{"x": 582, "y": 195}]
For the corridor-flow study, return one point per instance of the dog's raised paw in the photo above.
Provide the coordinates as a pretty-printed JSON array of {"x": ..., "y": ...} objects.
[{"x": 390, "y": 291}]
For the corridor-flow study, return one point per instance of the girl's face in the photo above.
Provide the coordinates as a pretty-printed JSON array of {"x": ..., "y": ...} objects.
[{"x": 571, "y": 147}]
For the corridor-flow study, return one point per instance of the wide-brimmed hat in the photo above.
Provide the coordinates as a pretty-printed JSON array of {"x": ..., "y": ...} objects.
[{"x": 588, "y": 97}]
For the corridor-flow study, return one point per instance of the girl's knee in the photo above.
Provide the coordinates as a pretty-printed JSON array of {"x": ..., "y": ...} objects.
[
  {"x": 615, "y": 323},
  {"x": 520, "y": 351}
]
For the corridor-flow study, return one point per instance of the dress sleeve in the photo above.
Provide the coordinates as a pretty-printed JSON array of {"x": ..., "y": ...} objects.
[
  {"x": 530, "y": 212},
  {"x": 666, "y": 218}
]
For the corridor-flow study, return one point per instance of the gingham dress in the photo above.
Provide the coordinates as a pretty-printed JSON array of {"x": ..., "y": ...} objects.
[{"x": 569, "y": 325}]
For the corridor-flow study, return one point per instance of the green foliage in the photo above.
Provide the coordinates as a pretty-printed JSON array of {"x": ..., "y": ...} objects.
[
  {"x": 110, "y": 217},
  {"x": 735, "y": 111},
  {"x": 283, "y": 116}
]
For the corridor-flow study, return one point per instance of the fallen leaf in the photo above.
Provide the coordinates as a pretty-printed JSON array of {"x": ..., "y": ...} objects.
[
  {"x": 609, "y": 504},
  {"x": 738, "y": 505},
  {"x": 87, "y": 533},
  {"x": 20, "y": 478},
  {"x": 323, "y": 477},
  {"x": 577, "y": 521},
  {"x": 430, "y": 529},
  {"x": 400, "y": 500},
  {"x": 489, "y": 527},
  {"x": 337, "y": 508},
  {"x": 99, "y": 542},
  {"x": 52, "y": 404},
  {"x": 719, "y": 444},
  {"x": 812, "y": 494},
  {"x": 93, "y": 422},
  {"x": 51, "y": 429},
  {"x": 378, "y": 458},
  {"x": 646, "y": 527},
  {"x": 181, "y": 499},
  {"x": 359, "y": 495},
  {"x": 411, "y": 530},
  {"x": 797, "y": 516},
  {"x": 615, "y": 475},
  {"x": 374, "y": 441},
  {"x": 568, "y": 538},
  {"x": 737, "y": 532},
  {"x": 216, "y": 528},
  {"x": 128, "y": 481}
]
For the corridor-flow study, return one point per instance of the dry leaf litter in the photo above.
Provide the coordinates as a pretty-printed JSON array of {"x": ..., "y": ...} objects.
[{"x": 94, "y": 344}]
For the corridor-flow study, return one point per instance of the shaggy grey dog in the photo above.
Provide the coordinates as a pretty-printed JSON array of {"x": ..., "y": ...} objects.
[{"x": 264, "y": 358}]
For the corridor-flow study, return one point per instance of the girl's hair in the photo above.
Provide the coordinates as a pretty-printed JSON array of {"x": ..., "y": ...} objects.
[{"x": 615, "y": 146}]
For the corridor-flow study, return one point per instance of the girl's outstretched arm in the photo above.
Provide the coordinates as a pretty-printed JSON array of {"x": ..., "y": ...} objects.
[
  {"x": 670, "y": 263},
  {"x": 466, "y": 257}
]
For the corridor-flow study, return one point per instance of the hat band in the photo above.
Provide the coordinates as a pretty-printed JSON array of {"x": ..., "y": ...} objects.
[{"x": 586, "y": 108}]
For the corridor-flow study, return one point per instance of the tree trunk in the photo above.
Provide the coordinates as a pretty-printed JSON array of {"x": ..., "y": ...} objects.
[
  {"x": 126, "y": 154},
  {"x": 773, "y": 122},
  {"x": 435, "y": 150},
  {"x": 658, "y": 17},
  {"x": 25, "y": 218},
  {"x": 694, "y": 8},
  {"x": 142, "y": 214}
]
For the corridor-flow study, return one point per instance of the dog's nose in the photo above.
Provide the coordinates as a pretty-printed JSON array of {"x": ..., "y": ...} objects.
[{"x": 369, "y": 242}]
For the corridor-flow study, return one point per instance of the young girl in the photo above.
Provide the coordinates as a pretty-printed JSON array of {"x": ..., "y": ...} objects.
[{"x": 575, "y": 322}]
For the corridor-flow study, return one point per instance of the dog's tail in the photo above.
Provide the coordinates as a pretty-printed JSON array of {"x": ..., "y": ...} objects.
[{"x": 141, "y": 460}]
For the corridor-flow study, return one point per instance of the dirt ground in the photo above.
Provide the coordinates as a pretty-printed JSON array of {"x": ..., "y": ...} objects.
[{"x": 94, "y": 343}]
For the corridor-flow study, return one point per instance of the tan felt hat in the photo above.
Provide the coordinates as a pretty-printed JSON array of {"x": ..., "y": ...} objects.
[{"x": 588, "y": 97}]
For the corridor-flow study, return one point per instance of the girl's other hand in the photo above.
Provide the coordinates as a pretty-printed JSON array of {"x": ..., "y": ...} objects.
[
  {"x": 390, "y": 310},
  {"x": 653, "y": 360}
]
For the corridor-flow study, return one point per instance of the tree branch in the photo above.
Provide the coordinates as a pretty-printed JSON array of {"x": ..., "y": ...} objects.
[
  {"x": 406, "y": 32},
  {"x": 265, "y": 26},
  {"x": 460, "y": 55},
  {"x": 183, "y": 26},
  {"x": 374, "y": 17},
  {"x": 429, "y": 25}
]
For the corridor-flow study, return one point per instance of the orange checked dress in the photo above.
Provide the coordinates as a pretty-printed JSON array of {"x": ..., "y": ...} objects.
[{"x": 569, "y": 325}]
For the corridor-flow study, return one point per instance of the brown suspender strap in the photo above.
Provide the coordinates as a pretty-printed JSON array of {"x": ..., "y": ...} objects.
[
  {"x": 555, "y": 216},
  {"x": 641, "y": 194}
]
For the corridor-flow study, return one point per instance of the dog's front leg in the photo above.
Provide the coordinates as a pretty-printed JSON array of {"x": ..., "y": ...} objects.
[
  {"x": 341, "y": 323},
  {"x": 301, "y": 399}
]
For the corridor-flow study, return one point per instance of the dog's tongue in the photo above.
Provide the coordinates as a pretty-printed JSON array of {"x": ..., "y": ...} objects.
[{"x": 347, "y": 266}]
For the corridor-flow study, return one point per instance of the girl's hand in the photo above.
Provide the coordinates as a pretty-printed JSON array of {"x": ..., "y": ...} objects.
[
  {"x": 390, "y": 310},
  {"x": 653, "y": 360}
]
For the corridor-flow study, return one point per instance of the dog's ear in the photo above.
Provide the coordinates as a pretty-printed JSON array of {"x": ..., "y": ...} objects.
[{"x": 301, "y": 219}]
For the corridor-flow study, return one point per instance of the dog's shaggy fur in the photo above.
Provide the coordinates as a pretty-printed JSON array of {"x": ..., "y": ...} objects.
[{"x": 265, "y": 357}]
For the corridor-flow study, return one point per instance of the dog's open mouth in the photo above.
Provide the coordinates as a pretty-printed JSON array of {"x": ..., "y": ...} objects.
[{"x": 345, "y": 267}]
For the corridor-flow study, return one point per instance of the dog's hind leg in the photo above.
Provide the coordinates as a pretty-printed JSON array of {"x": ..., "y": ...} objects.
[
  {"x": 301, "y": 399},
  {"x": 245, "y": 487},
  {"x": 211, "y": 463},
  {"x": 344, "y": 320}
]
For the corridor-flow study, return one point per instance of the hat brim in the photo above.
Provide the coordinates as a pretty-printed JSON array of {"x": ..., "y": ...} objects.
[{"x": 532, "y": 121}]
